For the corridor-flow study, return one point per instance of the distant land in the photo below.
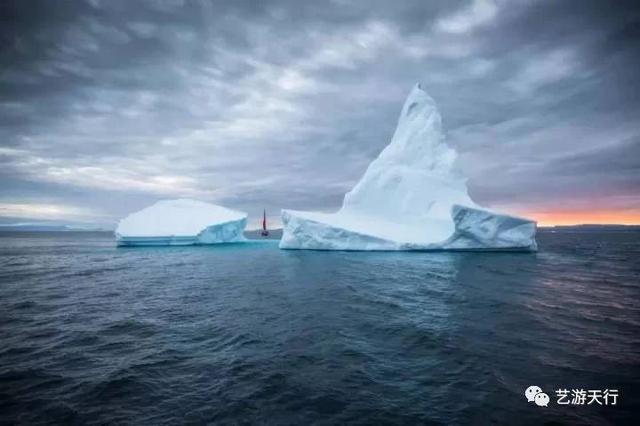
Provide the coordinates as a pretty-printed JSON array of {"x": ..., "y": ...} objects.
[
  {"x": 276, "y": 234},
  {"x": 590, "y": 228},
  {"x": 49, "y": 227},
  {"x": 254, "y": 234}
]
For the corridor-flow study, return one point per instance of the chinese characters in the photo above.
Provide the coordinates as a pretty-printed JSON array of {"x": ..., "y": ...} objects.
[{"x": 587, "y": 397}]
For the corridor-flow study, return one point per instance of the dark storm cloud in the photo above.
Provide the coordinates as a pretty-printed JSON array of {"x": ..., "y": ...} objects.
[{"x": 107, "y": 106}]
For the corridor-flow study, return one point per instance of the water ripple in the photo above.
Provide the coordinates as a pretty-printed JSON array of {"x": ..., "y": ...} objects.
[{"x": 250, "y": 334}]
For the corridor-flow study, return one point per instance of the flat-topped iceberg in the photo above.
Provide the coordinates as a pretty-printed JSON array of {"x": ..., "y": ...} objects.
[
  {"x": 411, "y": 197},
  {"x": 181, "y": 222}
]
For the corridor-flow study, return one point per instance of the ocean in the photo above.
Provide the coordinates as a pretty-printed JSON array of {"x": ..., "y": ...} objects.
[{"x": 250, "y": 334}]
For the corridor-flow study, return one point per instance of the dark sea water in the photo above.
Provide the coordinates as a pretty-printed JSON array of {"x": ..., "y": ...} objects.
[{"x": 247, "y": 333}]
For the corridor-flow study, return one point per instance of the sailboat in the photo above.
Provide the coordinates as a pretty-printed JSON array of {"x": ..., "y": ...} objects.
[{"x": 264, "y": 232}]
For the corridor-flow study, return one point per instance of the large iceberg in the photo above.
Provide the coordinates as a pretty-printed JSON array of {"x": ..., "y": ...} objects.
[
  {"x": 181, "y": 222},
  {"x": 411, "y": 197}
]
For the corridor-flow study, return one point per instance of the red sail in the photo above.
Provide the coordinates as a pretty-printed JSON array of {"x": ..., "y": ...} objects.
[{"x": 264, "y": 220}]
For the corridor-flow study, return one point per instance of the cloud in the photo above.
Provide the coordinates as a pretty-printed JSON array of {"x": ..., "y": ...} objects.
[
  {"x": 479, "y": 12},
  {"x": 550, "y": 67},
  {"x": 283, "y": 104},
  {"x": 48, "y": 211}
]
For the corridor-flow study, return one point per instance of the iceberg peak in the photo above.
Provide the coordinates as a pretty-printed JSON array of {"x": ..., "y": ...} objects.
[
  {"x": 414, "y": 177},
  {"x": 411, "y": 197}
]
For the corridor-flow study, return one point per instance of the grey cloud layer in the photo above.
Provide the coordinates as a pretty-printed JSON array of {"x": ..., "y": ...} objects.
[{"x": 106, "y": 106}]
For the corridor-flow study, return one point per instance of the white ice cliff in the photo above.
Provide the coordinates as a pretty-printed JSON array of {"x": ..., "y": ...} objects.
[
  {"x": 181, "y": 222},
  {"x": 411, "y": 197}
]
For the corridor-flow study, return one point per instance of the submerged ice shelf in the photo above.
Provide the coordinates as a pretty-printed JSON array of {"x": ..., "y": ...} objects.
[
  {"x": 411, "y": 197},
  {"x": 181, "y": 222}
]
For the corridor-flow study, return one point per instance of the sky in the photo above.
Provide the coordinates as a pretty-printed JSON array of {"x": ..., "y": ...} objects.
[{"x": 108, "y": 106}]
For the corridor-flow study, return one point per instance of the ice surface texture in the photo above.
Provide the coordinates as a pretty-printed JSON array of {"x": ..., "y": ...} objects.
[
  {"x": 412, "y": 197},
  {"x": 181, "y": 222}
]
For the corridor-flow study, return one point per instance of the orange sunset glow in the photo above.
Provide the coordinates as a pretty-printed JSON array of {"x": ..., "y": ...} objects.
[{"x": 579, "y": 217}]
